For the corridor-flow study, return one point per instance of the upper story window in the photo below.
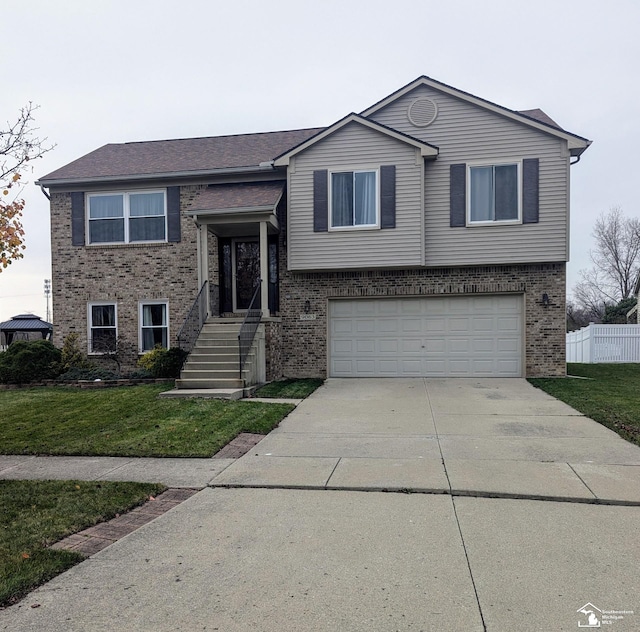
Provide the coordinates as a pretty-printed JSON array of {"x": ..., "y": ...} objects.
[
  {"x": 127, "y": 217},
  {"x": 494, "y": 193},
  {"x": 354, "y": 199}
]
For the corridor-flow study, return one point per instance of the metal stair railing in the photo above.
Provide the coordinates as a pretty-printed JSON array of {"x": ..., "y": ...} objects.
[
  {"x": 249, "y": 328},
  {"x": 195, "y": 319}
]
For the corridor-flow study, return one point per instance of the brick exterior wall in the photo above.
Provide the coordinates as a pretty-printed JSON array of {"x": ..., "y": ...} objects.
[
  {"x": 273, "y": 349},
  {"x": 123, "y": 274},
  {"x": 305, "y": 341}
]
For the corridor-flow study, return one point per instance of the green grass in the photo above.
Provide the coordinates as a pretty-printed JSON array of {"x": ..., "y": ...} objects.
[
  {"x": 125, "y": 421},
  {"x": 292, "y": 388},
  {"x": 611, "y": 395},
  {"x": 35, "y": 514}
]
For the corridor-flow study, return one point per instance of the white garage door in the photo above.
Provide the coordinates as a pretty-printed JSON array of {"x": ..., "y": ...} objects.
[{"x": 464, "y": 336}]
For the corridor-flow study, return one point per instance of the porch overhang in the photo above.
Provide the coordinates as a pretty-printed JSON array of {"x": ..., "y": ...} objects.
[
  {"x": 246, "y": 209},
  {"x": 235, "y": 210}
]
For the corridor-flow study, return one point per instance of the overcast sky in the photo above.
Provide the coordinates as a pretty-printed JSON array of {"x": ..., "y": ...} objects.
[{"x": 113, "y": 71}]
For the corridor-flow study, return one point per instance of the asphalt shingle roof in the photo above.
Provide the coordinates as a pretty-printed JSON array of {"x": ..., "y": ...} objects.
[
  {"x": 539, "y": 115},
  {"x": 233, "y": 196},
  {"x": 181, "y": 155}
]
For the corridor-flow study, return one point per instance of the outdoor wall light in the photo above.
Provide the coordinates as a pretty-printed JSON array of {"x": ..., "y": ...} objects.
[
  {"x": 307, "y": 307},
  {"x": 545, "y": 300}
]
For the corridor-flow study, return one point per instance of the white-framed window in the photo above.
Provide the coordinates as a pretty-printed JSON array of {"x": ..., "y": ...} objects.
[
  {"x": 353, "y": 199},
  {"x": 103, "y": 327},
  {"x": 154, "y": 325},
  {"x": 494, "y": 193},
  {"x": 127, "y": 217}
]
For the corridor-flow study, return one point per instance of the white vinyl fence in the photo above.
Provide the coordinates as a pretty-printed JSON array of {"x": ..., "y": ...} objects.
[{"x": 604, "y": 343}]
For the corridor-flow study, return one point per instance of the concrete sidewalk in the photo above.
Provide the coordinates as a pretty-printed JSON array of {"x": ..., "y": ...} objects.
[
  {"x": 190, "y": 473},
  {"x": 493, "y": 438}
]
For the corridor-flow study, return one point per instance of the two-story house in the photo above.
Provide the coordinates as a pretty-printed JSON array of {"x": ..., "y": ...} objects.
[{"x": 425, "y": 236}]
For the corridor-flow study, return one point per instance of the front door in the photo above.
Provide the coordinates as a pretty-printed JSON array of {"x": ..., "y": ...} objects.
[{"x": 246, "y": 272}]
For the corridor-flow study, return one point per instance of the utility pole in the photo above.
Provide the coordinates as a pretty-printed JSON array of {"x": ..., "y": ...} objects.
[{"x": 47, "y": 293}]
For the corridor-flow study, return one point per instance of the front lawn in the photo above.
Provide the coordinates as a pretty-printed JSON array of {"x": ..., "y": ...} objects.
[
  {"x": 35, "y": 514},
  {"x": 611, "y": 396},
  {"x": 125, "y": 421}
]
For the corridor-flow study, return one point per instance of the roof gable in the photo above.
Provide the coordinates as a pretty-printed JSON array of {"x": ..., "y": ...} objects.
[
  {"x": 534, "y": 118},
  {"x": 426, "y": 149}
]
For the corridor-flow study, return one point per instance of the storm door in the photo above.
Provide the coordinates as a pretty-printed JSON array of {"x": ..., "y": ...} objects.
[{"x": 246, "y": 273}]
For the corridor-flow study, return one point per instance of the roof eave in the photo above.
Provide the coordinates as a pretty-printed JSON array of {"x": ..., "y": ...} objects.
[
  {"x": 164, "y": 175},
  {"x": 230, "y": 210},
  {"x": 577, "y": 149}
]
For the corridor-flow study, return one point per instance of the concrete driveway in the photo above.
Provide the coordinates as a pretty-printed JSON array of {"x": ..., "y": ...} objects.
[
  {"x": 287, "y": 539},
  {"x": 491, "y": 437}
]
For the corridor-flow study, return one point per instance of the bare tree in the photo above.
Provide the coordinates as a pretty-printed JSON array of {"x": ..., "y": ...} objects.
[
  {"x": 577, "y": 317},
  {"x": 18, "y": 146},
  {"x": 616, "y": 264}
]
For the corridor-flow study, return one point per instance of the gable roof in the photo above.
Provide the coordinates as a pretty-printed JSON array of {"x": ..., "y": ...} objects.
[
  {"x": 252, "y": 153},
  {"x": 534, "y": 118},
  {"x": 178, "y": 158},
  {"x": 426, "y": 149}
]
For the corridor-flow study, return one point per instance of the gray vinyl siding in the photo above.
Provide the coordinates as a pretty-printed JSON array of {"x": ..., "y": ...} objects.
[
  {"x": 467, "y": 133},
  {"x": 356, "y": 147}
]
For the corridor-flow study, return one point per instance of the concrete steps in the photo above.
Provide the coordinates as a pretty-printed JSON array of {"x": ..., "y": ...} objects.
[{"x": 213, "y": 362}]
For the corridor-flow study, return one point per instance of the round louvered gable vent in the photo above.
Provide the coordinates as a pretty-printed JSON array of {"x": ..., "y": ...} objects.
[{"x": 422, "y": 112}]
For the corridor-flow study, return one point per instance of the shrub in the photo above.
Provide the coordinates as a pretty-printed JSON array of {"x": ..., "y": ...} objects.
[
  {"x": 25, "y": 362},
  {"x": 72, "y": 356},
  {"x": 151, "y": 358},
  {"x": 89, "y": 373},
  {"x": 163, "y": 363},
  {"x": 139, "y": 374}
]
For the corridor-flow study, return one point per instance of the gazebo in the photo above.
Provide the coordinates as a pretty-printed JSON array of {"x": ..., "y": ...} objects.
[{"x": 24, "y": 327}]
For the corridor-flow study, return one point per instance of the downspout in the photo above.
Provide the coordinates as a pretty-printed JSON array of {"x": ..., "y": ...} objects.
[
  {"x": 576, "y": 161},
  {"x": 45, "y": 193}
]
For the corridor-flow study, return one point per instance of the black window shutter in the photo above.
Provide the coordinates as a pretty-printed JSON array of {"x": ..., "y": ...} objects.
[
  {"x": 173, "y": 214},
  {"x": 320, "y": 201},
  {"x": 458, "y": 195},
  {"x": 388, "y": 196},
  {"x": 530, "y": 190},
  {"x": 77, "y": 219}
]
